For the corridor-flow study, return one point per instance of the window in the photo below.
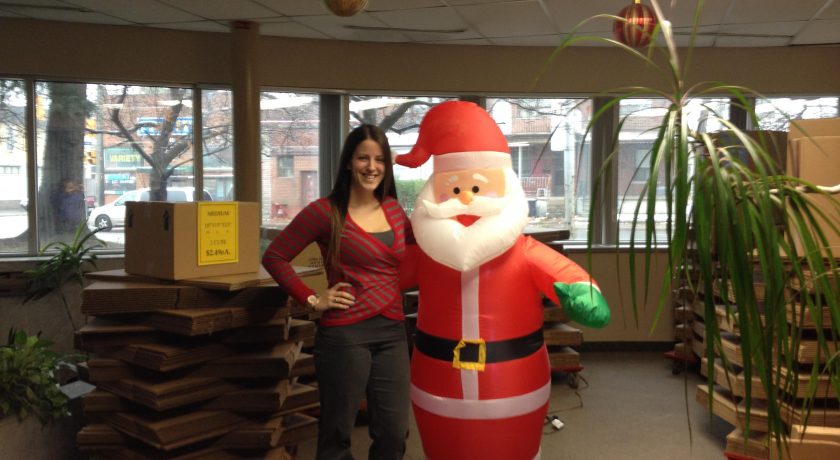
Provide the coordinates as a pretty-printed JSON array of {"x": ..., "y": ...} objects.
[
  {"x": 109, "y": 139},
  {"x": 285, "y": 166},
  {"x": 289, "y": 130},
  {"x": 774, "y": 113},
  {"x": 402, "y": 134},
  {"x": 550, "y": 156},
  {"x": 118, "y": 131},
  {"x": 13, "y": 221},
  {"x": 217, "y": 143},
  {"x": 640, "y": 118}
]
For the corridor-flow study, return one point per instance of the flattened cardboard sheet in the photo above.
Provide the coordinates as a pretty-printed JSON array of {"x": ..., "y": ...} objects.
[
  {"x": 104, "y": 297},
  {"x": 168, "y": 432},
  {"x": 561, "y": 334},
  {"x": 162, "y": 396}
]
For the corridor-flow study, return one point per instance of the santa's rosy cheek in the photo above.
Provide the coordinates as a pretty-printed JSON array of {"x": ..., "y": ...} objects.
[
  {"x": 491, "y": 194},
  {"x": 443, "y": 197}
]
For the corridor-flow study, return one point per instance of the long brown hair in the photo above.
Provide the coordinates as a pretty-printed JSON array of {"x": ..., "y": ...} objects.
[{"x": 340, "y": 195}]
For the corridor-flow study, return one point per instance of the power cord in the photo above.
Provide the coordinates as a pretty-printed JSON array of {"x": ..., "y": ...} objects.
[{"x": 554, "y": 422}]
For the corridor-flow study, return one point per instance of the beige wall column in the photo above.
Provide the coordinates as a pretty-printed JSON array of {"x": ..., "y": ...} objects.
[{"x": 246, "y": 111}]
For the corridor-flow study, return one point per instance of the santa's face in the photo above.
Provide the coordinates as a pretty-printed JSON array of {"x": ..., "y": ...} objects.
[
  {"x": 464, "y": 194},
  {"x": 465, "y": 218},
  {"x": 368, "y": 166}
]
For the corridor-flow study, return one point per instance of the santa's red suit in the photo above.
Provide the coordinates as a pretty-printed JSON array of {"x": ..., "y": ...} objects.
[
  {"x": 497, "y": 412},
  {"x": 480, "y": 372}
]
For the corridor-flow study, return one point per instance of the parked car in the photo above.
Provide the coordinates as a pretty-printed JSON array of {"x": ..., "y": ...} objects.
[
  {"x": 90, "y": 203},
  {"x": 112, "y": 214}
]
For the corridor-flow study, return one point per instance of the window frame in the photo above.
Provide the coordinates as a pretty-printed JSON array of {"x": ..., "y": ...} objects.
[{"x": 334, "y": 107}]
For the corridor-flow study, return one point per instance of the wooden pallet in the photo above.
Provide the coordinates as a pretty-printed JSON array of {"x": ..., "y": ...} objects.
[
  {"x": 561, "y": 334},
  {"x": 755, "y": 446},
  {"x": 733, "y": 380},
  {"x": 729, "y": 408}
]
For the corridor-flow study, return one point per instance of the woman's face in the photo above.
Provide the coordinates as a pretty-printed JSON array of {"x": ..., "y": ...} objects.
[{"x": 367, "y": 166}]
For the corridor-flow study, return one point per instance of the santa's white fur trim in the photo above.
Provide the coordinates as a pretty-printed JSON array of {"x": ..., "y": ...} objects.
[{"x": 457, "y": 161}]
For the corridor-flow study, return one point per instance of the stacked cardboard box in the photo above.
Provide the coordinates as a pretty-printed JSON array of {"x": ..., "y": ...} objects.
[
  {"x": 560, "y": 337},
  {"x": 201, "y": 368},
  {"x": 813, "y": 155},
  {"x": 731, "y": 388}
]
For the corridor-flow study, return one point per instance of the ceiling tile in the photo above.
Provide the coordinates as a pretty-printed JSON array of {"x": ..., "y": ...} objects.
[
  {"x": 387, "y": 5},
  {"x": 427, "y": 37},
  {"x": 473, "y": 41},
  {"x": 139, "y": 11},
  {"x": 504, "y": 22},
  {"x": 567, "y": 14},
  {"x": 476, "y": 2},
  {"x": 699, "y": 40},
  {"x": 428, "y": 19},
  {"x": 744, "y": 12},
  {"x": 533, "y": 40},
  {"x": 296, "y": 7},
  {"x": 750, "y": 42},
  {"x": 342, "y": 28},
  {"x": 10, "y": 14},
  {"x": 290, "y": 29},
  {"x": 224, "y": 9},
  {"x": 681, "y": 13},
  {"x": 70, "y": 16},
  {"x": 507, "y": 19},
  {"x": 832, "y": 12},
  {"x": 197, "y": 26},
  {"x": 818, "y": 33},
  {"x": 788, "y": 29}
]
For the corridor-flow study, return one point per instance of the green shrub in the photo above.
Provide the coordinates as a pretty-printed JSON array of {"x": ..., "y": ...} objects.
[{"x": 27, "y": 380}]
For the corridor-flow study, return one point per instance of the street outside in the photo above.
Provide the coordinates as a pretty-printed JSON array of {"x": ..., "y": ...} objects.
[{"x": 15, "y": 222}]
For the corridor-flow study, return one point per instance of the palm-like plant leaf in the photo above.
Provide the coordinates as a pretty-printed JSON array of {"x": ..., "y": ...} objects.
[
  {"x": 732, "y": 216},
  {"x": 66, "y": 264}
]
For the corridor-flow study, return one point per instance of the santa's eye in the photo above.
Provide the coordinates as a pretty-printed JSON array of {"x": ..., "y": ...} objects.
[
  {"x": 475, "y": 189},
  {"x": 456, "y": 190}
]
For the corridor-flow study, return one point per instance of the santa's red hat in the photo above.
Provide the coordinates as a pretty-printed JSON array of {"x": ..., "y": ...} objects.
[{"x": 460, "y": 135}]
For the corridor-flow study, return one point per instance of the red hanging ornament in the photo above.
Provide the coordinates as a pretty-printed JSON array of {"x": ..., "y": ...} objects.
[{"x": 636, "y": 29}]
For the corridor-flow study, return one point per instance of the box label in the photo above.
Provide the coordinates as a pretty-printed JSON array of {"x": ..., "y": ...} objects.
[{"x": 218, "y": 233}]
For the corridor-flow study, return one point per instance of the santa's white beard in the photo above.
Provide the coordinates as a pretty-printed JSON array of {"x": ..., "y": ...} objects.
[{"x": 462, "y": 248}]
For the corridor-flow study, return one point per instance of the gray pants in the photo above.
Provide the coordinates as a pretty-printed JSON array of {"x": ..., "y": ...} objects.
[{"x": 348, "y": 373}]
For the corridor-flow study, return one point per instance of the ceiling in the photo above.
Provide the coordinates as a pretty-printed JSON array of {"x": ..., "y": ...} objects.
[{"x": 723, "y": 23}]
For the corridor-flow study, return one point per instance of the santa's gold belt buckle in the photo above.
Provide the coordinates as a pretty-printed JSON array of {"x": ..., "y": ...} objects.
[{"x": 470, "y": 365}]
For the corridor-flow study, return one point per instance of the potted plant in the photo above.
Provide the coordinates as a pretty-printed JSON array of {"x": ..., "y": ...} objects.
[
  {"x": 730, "y": 213},
  {"x": 34, "y": 412},
  {"x": 28, "y": 386},
  {"x": 67, "y": 263}
]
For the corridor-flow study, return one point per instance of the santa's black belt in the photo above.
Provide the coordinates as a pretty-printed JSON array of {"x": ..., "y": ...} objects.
[{"x": 471, "y": 354}]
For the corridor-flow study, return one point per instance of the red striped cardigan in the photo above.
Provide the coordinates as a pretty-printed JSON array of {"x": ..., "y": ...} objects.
[{"x": 368, "y": 265}]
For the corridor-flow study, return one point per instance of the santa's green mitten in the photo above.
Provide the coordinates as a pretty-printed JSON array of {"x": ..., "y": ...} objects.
[{"x": 583, "y": 303}]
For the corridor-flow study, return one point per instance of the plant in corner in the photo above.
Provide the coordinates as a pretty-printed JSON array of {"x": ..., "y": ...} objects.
[
  {"x": 67, "y": 263},
  {"x": 731, "y": 214},
  {"x": 27, "y": 381}
]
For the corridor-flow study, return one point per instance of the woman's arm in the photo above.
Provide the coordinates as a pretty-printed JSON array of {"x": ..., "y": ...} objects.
[{"x": 310, "y": 225}]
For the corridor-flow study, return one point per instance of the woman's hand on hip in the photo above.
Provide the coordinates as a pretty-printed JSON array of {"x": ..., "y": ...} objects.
[{"x": 335, "y": 297}]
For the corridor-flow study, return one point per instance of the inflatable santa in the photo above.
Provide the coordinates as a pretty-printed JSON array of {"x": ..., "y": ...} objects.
[{"x": 480, "y": 376}]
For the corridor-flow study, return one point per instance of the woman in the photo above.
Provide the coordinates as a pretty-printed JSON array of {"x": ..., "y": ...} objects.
[{"x": 360, "y": 347}]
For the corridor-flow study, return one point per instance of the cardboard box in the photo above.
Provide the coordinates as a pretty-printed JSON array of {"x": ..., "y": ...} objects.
[
  {"x": 310, "y": 257},
  {"x": 814, "y": 155},
  {"x": 775, "y": 142},
  {"x": 177, "y": 241},
  {"x": 308, "y": 263}
]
